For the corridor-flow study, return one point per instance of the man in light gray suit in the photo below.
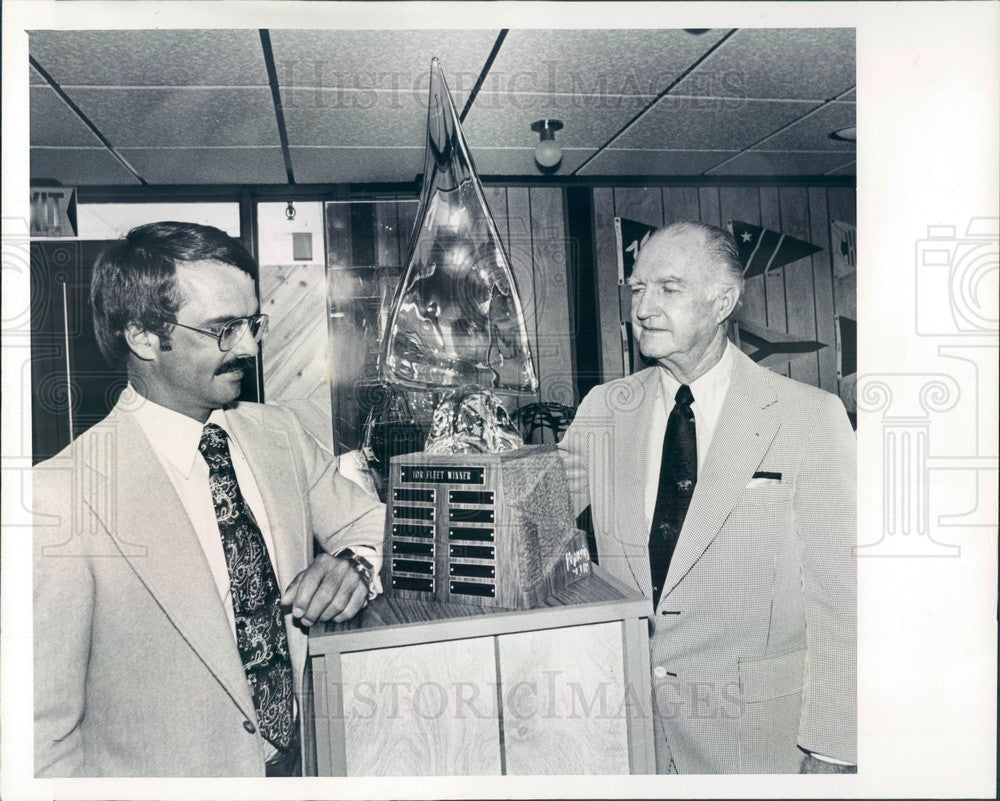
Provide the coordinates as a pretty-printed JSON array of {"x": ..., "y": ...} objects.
[
  {"x": 173, "y": 547},
  {"x": 726, "y": 493}
]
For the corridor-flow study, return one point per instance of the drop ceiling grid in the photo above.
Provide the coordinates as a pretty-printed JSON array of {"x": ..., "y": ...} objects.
[
  {"x": 504, "y": 120},
  {"x": 53, "y": 124},
  {"x": 77, "y": 166},
  {"x": 151, "y": 57},
  {"x": 397, "y": 61},
  {"x": 227, "y": 113},
  {"x": 767, "y": 63},
  {"x": 160, "y": 117},
  {"x": 596, "y": 62},
  {"x": 705, "y": 123},
  {"x": 224, "y": 165},
  {"x": 812, "y": 131}
]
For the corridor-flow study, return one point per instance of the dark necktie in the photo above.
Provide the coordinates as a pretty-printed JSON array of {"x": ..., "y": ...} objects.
[
  {"x": 678, "y": 474},
  {"x": 260, "y": 626}
]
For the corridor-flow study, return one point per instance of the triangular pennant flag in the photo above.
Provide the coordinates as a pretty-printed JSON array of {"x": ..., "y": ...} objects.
[
  {"x": 456, "y": 320},
  {"x": 761, "y": 249},
  {"x": 847, "y": 346},
  {"x": 770, "y": 348},
  {"x": 631, "y": 236}
]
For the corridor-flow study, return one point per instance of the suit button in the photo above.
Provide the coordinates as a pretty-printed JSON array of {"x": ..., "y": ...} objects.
[
  {"x": 660, "y": 672},
  {"x": 251, "y": 729}
]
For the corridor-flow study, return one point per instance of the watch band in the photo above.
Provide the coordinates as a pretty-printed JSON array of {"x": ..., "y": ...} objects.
[{"x": 360, "y": 563}]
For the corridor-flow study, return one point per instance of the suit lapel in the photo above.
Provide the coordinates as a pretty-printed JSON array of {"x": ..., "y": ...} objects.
[
  {"x": 168, "y": 558},
  {"x": 632, "y": 449},
  {"x": 269, "y": 454},
  {"x": 747, "y": 425}
]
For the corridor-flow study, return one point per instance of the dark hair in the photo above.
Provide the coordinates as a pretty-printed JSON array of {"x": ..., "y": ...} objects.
[{"x": 135, "y": 279}]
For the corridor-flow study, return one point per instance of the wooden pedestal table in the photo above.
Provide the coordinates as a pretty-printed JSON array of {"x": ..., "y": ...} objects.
[{"x": 411, "y": 688}]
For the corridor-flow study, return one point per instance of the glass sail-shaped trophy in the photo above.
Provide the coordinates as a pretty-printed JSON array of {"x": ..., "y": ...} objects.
[{"x": 456, "y": 320}]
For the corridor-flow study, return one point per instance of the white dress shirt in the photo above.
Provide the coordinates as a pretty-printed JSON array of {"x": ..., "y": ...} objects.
[
  {"x": 174, "y": 438},
  {"x": 709, "y": 391}
]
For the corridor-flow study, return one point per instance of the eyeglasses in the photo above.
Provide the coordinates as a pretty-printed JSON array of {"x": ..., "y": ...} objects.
[{"x": 232, "y": 332}]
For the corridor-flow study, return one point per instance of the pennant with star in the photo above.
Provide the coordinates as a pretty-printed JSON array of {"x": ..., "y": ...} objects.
[
  {"x": 631, "y": 236},
  {"x": 761, "y": 249},
  {"x": 770, "y": 348}
]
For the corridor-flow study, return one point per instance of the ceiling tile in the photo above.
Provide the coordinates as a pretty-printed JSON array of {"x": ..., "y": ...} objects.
[
  {"x": 201, "y": 165},
  {"x": 78, "y": 166},
  {"x": 521, "y": 161},
  {"x": 598, "y": 62},
  {"x": 398, "y": 61},
  {"x": 850, "y": 168},
  {"x": 704, "y": 123},
  {"x": 345, "y": 118},
  {"x": 813, "y": 131},
  {"x": 355, "y": 164},
  {"x": 181, "y": 117},
  {"x": 504, "y": 120},
  {"x": 816, "y": 63},
  {"x": 53, "y": 123},
  {"x": 757, "y": 162},
  {"x": 151, "y": 57},
  {"x": 654, "y": 162}
]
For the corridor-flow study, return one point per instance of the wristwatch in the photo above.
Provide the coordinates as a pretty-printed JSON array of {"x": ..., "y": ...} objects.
[{"x": 360, "y": 563}]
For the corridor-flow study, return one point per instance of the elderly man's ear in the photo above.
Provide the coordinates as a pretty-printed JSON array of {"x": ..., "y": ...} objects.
[
  {"x": 725, "y": 302},
  {"x": 144, "y": 344}
]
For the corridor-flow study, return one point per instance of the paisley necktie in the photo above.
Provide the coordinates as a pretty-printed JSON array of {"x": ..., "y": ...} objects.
[{"x": 260, "y": 625}]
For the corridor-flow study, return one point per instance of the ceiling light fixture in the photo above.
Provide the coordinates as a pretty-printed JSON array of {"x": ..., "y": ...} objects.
[
  {"x": 290, "y": 211},
  {"x": 548, "y": 153},
  {"x": 849, "y": 134}
]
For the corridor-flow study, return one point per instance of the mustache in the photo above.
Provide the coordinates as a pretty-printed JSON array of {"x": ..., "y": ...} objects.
[{"x": 243, "y": 364}]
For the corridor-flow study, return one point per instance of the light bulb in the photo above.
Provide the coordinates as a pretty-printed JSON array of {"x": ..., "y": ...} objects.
[{"x": 548, "y": 153}]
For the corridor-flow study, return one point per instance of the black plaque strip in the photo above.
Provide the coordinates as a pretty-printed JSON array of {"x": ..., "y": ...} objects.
[
  {"x": 468, "y": 588},
  {"x": 414, "y": 548},
  {"x": 435, "y": 474},
  {"x": 412, "y": 566},
  {"x": 413, "y": 494},
  {"x": 412, "y": 530},
  {"x": 476, "y": 571},
  {"x": 470, "y": 552},
  {"x": 413, "y": 512},
  {"x": 408, "y": 583},
  {"x": 470, "y": 515},
  {"x": 470, "y": 496},
  {"x": 478, "y": 534}
]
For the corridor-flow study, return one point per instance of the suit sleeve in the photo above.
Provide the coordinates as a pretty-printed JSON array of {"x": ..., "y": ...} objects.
[
  {"x": 825, "y": 516},
  {"x": 63, "y": 598},
  {"x": 343, "y": 514},
  {"x": 574, "y": 452}
]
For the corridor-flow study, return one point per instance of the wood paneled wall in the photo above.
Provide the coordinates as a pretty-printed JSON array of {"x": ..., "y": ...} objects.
[
  {"x": 798, "y": 299},
  {"x": 366, "y": 248}
]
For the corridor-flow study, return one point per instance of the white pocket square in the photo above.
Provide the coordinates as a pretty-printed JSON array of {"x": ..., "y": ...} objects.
[{"x": 758, "y": 481}]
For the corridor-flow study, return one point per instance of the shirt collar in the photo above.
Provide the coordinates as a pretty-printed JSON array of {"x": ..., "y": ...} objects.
[
  {"x": 709, "y": 388},
  {"x": 173, "y": 436}
]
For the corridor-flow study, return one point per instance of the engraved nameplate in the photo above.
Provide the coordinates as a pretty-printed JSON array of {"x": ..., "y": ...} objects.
[{"x": 432, "y": 474}]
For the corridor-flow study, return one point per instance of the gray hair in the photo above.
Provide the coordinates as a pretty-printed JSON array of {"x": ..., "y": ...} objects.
[{"x": 721, "y": 256}]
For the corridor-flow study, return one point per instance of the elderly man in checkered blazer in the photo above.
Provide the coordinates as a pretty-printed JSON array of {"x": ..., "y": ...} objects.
[{"x": 726, "y": 493}]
